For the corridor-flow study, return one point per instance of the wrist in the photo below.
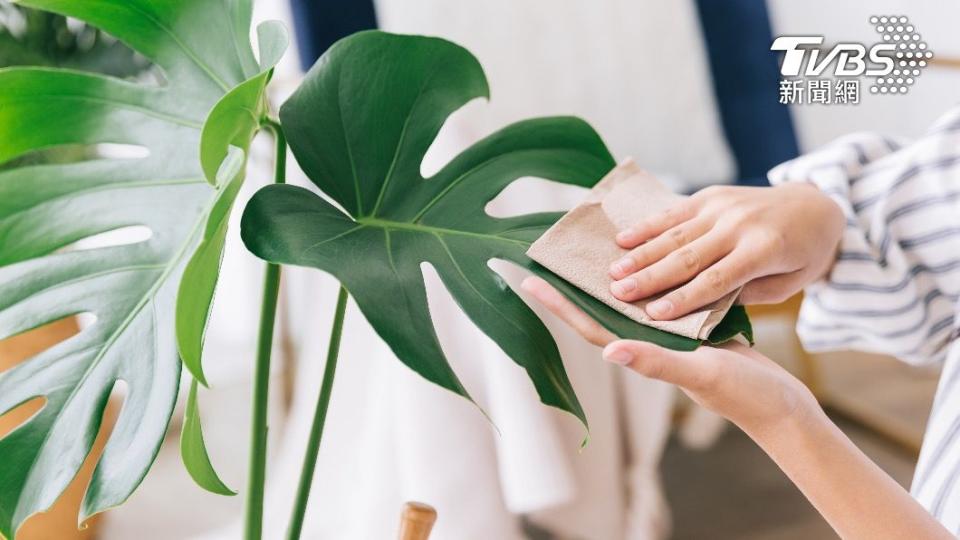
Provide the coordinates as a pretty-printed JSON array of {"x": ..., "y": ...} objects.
[
  {"x": 804, "y": 421},
  {"x": 826, "y": 219}
]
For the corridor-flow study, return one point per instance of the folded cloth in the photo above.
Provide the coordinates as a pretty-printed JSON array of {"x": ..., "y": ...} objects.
[{"x": 580, "y": 246}]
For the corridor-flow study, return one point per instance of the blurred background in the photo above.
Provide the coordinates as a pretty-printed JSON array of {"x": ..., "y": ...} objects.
[{"x": 690, "y": 90}]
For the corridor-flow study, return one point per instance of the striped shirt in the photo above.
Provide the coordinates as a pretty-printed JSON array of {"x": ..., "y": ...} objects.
[{"x": 895, "y": 286}]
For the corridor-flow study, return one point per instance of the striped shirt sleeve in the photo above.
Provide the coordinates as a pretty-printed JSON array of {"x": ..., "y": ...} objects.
[{"x": 895, "y": 283}]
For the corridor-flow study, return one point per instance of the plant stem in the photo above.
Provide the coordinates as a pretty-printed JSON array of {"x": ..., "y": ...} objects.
[
  {"x": 319, "y": 418},
  {"x": 253, "y": 526}
]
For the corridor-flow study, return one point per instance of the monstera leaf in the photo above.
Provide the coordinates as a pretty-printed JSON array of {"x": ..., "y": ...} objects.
[
  {"x": 359, "y": 126},
  {"x": 181, "y": 191}
]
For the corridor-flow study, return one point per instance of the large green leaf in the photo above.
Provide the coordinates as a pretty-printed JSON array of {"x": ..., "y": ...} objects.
[
  {"x": 359, "y": 126},
  {"x": 204, "y": 52}
]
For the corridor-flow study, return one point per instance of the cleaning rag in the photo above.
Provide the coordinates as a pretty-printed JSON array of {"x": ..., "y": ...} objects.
[{"x": 580, "y": 246}]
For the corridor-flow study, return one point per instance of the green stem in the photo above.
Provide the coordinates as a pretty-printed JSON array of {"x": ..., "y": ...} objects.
[
  {"x": 319, "y": 418},
  {"x": 253, "y": 527}
]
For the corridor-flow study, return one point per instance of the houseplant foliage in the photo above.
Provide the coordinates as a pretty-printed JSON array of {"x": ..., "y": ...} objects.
[
  {"x": 359, "y": 126},
  {"x": 180, "y": 194}
]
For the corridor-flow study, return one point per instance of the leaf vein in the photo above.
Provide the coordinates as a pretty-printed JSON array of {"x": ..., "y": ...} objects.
[
  {"x": 115, "y": 103},
  {"x": 186, "y": 50},
  {"x": 523, "y": 331},
  {"x": 396, "y": 151},
  {"x": 331, "y": 239}
]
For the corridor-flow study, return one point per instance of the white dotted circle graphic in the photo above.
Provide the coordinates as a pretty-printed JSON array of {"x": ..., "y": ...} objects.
[{"x": 908, "y": 48}]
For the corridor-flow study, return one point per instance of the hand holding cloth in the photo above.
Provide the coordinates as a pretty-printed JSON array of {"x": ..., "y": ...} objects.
[{"x": 580, "y": 246}]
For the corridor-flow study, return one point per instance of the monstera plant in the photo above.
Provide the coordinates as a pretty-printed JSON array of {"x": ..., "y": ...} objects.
[{"x": 359, "y": 126}]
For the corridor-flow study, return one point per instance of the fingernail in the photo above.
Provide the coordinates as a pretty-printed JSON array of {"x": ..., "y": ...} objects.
[
  {"x": 623, "y": 286},
  {"x": 659, "y": 308},
  {"x": 618, "y": 356},
  {"x": 622, "y": 267}
]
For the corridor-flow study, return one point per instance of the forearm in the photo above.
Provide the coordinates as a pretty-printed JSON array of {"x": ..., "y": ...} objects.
[{"x": 858, "y": 499}]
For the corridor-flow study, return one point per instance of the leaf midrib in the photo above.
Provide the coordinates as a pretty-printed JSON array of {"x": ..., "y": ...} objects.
[{"x": 427, "y": 229}]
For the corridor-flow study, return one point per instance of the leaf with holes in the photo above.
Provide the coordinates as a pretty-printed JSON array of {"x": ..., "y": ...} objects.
[
  {"x": 210, "y": 70},
  {"x": 359, "y": 126}
]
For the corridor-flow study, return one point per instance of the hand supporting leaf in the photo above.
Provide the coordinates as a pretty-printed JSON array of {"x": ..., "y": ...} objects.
[
  {"x": 203, "y": 50},
  {"x": 359, "y": 126}
]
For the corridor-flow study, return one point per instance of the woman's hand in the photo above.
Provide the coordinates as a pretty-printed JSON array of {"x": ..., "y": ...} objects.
[
  {"x": 734, "y": 381},
  {"x": 772, "y": 240},
  {"x": 858, "y": 499}
]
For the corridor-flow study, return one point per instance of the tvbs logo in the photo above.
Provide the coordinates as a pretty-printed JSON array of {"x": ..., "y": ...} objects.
[
  {"x": 895, "y": 61},
  {"x": 849, "y": 59}
]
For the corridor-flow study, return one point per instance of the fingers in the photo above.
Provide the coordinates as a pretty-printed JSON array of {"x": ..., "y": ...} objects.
[
  {"x": 774, "y": 289},
  {"x": 544, "y": 293},
  {"x": 694, "y": 370},
  {"x": 712, "y": 284},
  {"x": 658, "y": 248},
  {"x": 677, "y": 267},
  {"x": 655, "y": 225}
]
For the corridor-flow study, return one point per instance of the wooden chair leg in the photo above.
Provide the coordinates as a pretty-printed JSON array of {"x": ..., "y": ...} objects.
[{"x": 417, "y": 521}]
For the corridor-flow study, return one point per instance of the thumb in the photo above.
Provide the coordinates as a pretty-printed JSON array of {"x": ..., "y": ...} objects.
[{"x": 694, "y": 370}]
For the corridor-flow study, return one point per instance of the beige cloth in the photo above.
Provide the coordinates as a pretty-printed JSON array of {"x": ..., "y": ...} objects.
[{"x": 581, "y": 246}]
